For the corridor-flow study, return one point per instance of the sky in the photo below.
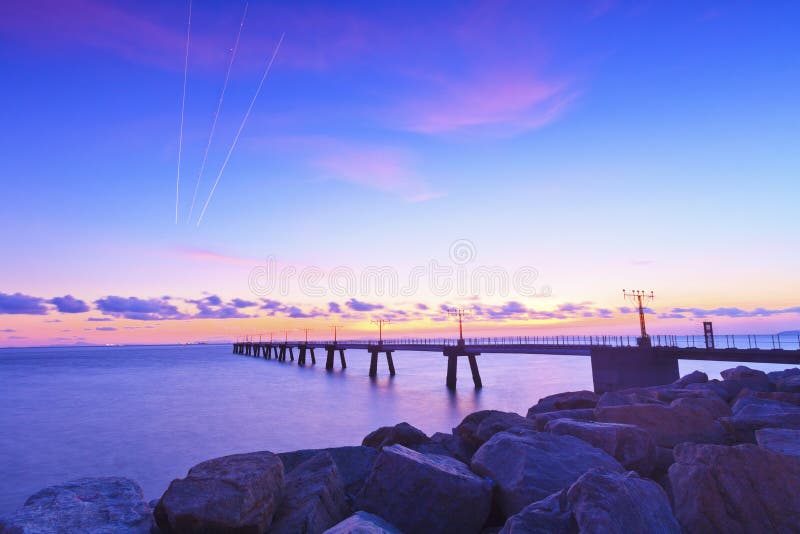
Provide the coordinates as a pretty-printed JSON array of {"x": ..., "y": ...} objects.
[{"x": 526, "y": 161}]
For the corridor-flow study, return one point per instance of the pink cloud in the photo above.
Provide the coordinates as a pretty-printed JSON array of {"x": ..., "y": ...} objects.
[
  {"x": 384, "y": 169},
  {"x": 209, "y": 256},
  {"x": 502, "y": 103}
]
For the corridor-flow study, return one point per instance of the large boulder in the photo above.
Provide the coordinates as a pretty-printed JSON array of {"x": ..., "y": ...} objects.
[
  {"x": 478, "y": 427},
  {"x": 787, "y": 380},
  {"x": 715, "y": 406},
  {"x": 599, "y": 501},
  {"x": 668, "y": 425},
  {"x": 780, "y": 396},
  {"x": 743, "y": 488},
  {"x": 695, "y": 377},
  {"x": 724, "y": 389},
  {"x": 426, "y": 493},
  {"x": 747, "y": 378},
  {"x": 626, "y": 397},
  {"x": 353, "y": 463},
  {"x": 233, "y": 493},
  {"x": 564, "y": 401},
  {"x": 447, "y": 445},
  {"x": 752, "y": 413},
  {"x": 314, "y": 498},
  {"x": 363, "y": 523},
  {"x": 402, "y": 433},
  {"x": 528, "y": 466},
  {"x": 628, "y": 444},
  {"x": 107, "y": 505},
  {"x": 782, "y": 440},
  {"x": 578, "y": 414}
]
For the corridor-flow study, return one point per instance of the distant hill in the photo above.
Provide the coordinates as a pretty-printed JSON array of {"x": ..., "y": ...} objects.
[{"x": 790, "y": 333}]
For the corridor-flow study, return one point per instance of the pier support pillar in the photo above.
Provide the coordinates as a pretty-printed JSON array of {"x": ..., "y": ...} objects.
[
  {"x": 329, "y": 359},
  {"x": 616, "y": 368},
  {"x": 313, "y": 358},
  {"x": 476, "y": 375},
  {"x": 301, "y": 357},
  {"x": 373, "y": 364},
  {"x": 330, "y": 356},
  {"x": 341, "y": 357},
  {"x": 390, "y": 361},
  {"x": 452, "y": 371}
]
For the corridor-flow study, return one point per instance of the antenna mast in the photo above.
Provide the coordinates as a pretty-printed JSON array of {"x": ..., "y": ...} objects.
[{"x": 639, "y": 297}]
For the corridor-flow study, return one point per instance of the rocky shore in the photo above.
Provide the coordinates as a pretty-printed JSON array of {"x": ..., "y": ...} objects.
[{"x": 697, "y": 455}]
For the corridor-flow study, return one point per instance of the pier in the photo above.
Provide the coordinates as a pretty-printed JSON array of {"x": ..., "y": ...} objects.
[{"x": 618, "y": 362}]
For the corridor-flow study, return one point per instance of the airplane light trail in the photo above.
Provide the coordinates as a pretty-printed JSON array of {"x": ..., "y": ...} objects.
[
  {"x": 183, "y": 106},
  {"x": 216, "y": 114},
  {"x": 241, "y": 127}
]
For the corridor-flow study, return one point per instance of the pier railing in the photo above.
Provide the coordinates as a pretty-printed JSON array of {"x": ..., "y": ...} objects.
[{"x": 734, "y": 341}]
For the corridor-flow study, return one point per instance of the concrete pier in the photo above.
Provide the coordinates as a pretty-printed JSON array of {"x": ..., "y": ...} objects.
[
  {"x": 616, "y": 368},
  {"x": 330, "y": 356},
  {"x": 452, "y": 354},
  {"x": 374, "y": 350}
]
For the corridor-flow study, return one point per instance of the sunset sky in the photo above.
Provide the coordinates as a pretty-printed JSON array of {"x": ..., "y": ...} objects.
[{"x": 572, "y": 149}]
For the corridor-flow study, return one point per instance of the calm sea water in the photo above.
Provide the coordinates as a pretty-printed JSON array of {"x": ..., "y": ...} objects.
[{"x": 150, "y": 413}]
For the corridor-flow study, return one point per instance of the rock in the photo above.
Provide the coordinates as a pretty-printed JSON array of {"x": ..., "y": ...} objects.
[
  {"x": 233, "y": 493},
  {"x": 578, "y": 414},
  {"x": 528, "y": 466},
  {"x": 106, "y": 505},
  {"x": 447, "y": 445},
  {"x": 748, "y": 378},
  {"x": 752, "y": 413},
  {"x": 478, "y": 427},
  {"x": 599, "y": 501},
  {"x": 628, "y": 397},
  {"x": 668, "y": 425},
  {"x": 551, "y": 515},
  {"x": 314, "y": 498},
  {"x": 782, "y": 440},
  {"x": 743, "y": 488},
  {"x": 780, "y": 396},
  {"x": 713, "y": 405},
  {"x": 426, "y": 493},
  {"x": 629, "y": 445},
  {"x": 363, "y": 523},
  {"x": 790, "y": 384},
  {"x": 353, "y": 463},
  {"x": 695, "y": 377},
  {"x": 775, "y": 376},
  {"x": 564, "y": 401},
  {"x": 402, "y": 433},
  {"x": 726, "y": 390}
]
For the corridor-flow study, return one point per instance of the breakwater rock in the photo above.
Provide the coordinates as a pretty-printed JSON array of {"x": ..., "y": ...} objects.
[{"x": 697, "y": 455}]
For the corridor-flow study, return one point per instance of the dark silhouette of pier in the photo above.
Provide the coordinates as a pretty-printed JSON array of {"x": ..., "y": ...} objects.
[{"x": 617, "y": 361}]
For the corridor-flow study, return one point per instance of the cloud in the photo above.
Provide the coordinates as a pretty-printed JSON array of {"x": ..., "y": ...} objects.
[
  {"x": 19, "y": 304},
  {"x": 421, "y": 306},
  {"x": 240, "y": 303},
  {"x": 8, "y": 330},
  {"x": 106, "y": 329},
  {"x": 98, "y": 319},
  {"x": 334, "y": 307},
  {"x": 138, "y": 309},
  {"x": 701, "y": 313},
  {"x": 499, "y": 103},
  {"x": 69, "y": 304},
  {"x": 359, "y": 306}
]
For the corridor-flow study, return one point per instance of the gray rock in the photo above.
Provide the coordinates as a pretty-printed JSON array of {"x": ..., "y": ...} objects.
[
  {"x": 528, "y": 466},
  {"x": 402, "y": 433},
  {"x": 737, "y": 489},
  {"x": 748, "y": 378},
  {"x": 668, "y": 425},
  {"x": 551, "y": 515},
  {"x": 426, "y": 493},
  {"x": 599, "y": 501},
  {"x": 478, "y": 427},
  {"x": 782, "y": 440},
  {"x": 314, "y": 498},
  {"x": 578, "y": 414},
  {"x": 628, "y": 444},
  {"x": 726, "y": 390},
  {"x": 363, "y": 523},
  {"x": 447, "y": 445},
  {"x": 715, "y": 406},
  {"x": 237, "y": 493},
  {"x": 628, "y": 397},
  {"x": 570, "y": 400},
  {"x": 753, "y": 413},
  {"x": 774, "y": 376},
  {"x": 780, "y": 396},
  {"x": 106, "y": 505},
  {"x": 789, "y": 384},
  {"x": 353, "y": 463},
  {"x": 695, "y": 377}
]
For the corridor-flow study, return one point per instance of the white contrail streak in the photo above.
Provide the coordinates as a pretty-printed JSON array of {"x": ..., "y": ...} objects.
[
  {"x": 241, "y": 127},
  {"x": 183, "y": 106},
  {"x": 216, "y": 114}
]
